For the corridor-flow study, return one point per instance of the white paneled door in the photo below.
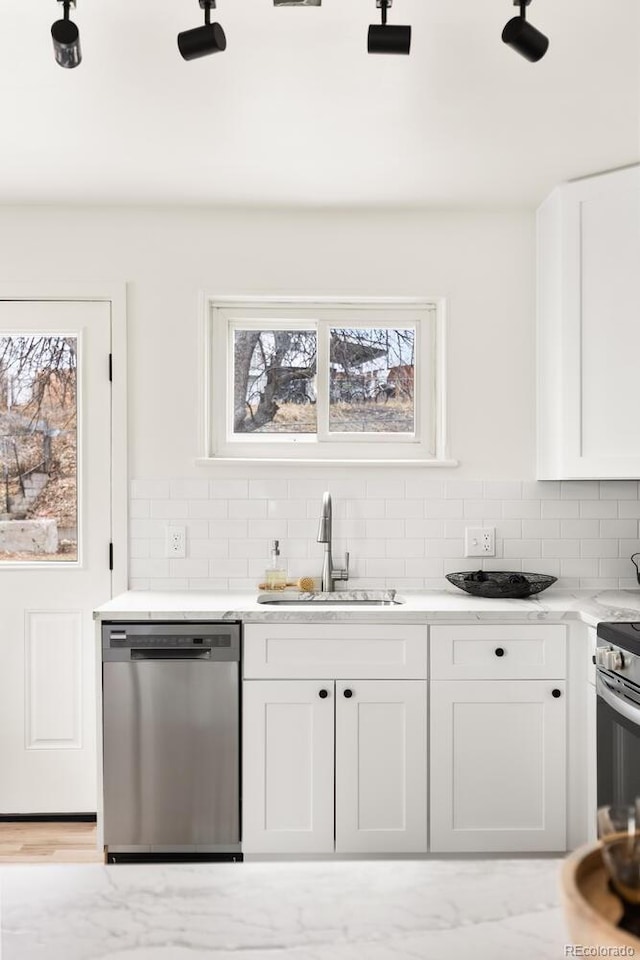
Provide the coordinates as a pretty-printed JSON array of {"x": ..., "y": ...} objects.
[{"x": 55, "y": 530}]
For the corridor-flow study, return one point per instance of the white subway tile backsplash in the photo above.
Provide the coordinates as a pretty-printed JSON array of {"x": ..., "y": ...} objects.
[
  {"x": 268, "y": 490},
  {"x": 188, "y": 567},
  {"x": 521, "y": 509},
  {"x": 208, "y": 549},
  {"x": 209, "y": 509},
  {"x": 482, "y": 509},
  {"x": 509, "y": 490},
  {"x": 463, "y": 489},
  {"x": 226, "y": 489},
  {"x": 189, "y": 489},
  {"x": 563, "y": 509},
  {"x": 444, "y": 509},
  {"x": 150, "y": 490},
  {"x": 522, "y": 548},
  {"x": 286, "y": 509},
  {"x": 170, "y": 509},
  {"x": 599, "y": 509},
  {"x": 627, "y": 528},
  {"x": 247, "y": 509},
  {"x": 587, "y": 529},
  {"x": 410, "y": 509},
  {"x": 405, "y": 548},
  {"x": 560, "y": 548},
  {"x": 405, "y": 533},
  {"x": 541, "y": 490},
  {"x": 541, "y": 529},
  {"x": 618, "y": 489},
  {"x": 385, "y": 489},
  {"x": 599, "y": 548},
  {"x": 580, "y": 490},
  {"x": 579, "y": 568}
]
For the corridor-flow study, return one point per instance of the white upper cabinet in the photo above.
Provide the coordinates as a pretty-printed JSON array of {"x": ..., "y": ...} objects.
[{"x": 588, "y": 347}]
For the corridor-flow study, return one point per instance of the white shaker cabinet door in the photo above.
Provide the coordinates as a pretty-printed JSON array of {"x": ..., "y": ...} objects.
[
  {"x": 498, "y": 766},
  {"x": 381, "y": 766},
  {"x": 588, "y": 332},
  {"x": 288, "y": 779}
]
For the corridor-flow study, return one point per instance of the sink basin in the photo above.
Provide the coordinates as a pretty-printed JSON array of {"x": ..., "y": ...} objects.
[{"x": 350, "y": 598}]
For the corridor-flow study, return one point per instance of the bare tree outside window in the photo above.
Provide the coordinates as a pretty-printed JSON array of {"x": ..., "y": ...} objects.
[
  {"x": 38, "y": 448},
  {"x": 370, "y": 381},
  {"x": 274, "y": 381}
]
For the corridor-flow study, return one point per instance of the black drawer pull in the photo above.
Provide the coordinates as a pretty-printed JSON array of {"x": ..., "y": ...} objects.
[
  {"x": 556, "y": 693},
  {"x": 323, "y": 694},
  {"x": 348, "y": 693},
  {"x": 499, "y": 651}
]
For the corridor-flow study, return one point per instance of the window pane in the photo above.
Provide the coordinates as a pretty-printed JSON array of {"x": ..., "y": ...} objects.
[
  {"x": 274, "y": 382},
  {"x": 371, "y": 385},
  {"x": 38, "y": 449}
]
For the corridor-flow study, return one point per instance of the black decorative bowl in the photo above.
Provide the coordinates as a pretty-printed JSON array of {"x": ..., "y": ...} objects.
[{"x": 501, "y": 583}]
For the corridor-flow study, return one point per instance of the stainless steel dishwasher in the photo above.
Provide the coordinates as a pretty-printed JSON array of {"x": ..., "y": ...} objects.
[{"x": 171, "y": 741}]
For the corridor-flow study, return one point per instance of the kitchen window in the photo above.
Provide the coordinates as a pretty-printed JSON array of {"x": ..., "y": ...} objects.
[{"x": 325, "y": 380}]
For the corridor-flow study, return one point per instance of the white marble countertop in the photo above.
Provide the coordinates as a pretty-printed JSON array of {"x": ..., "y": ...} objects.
[
  {"x": 419, "y": 607},
  {"x": 356, "y": 910}
]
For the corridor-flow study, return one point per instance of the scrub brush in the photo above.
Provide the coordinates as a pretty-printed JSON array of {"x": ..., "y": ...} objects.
[{"x": 304, "y": 584}]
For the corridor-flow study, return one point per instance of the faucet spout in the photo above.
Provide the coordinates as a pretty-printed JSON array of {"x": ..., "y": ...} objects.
[
  {"x": 324, "y": 527},
  {"x": 329, "y": 573}
]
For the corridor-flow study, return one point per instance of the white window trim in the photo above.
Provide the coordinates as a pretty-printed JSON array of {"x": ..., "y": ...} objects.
[{"x": 216, "y": 372}]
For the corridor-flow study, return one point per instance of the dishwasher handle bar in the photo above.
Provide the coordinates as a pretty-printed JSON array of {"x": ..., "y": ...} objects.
[{"x": 170, "y": 653}]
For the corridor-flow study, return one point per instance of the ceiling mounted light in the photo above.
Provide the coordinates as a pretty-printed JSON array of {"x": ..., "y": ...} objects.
[
  {"x": 66, "y": 38},
  {"x": 201, "y": 41},
  {"x": 297, "y": 3},
  {"x": 523, "y": 36},
  {"x": 386, "y": 39}
]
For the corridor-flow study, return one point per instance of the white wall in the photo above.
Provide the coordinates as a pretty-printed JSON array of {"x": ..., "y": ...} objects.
[
  {"x": 483, "y": 263},
  {"x": 404, "y": 527}
]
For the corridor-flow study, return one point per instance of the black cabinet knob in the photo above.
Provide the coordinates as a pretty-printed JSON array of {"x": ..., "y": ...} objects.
[
  {"x": 323, "y": 694},
  {"x": 348, "y": 693},
  {"x": 499, "y": 651},
  {"x": 556, "y": 693}
]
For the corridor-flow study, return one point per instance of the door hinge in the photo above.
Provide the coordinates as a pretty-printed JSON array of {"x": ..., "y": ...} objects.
[
  {"x": 110, "y": 366},
  {"x": 111, "y": 555}
]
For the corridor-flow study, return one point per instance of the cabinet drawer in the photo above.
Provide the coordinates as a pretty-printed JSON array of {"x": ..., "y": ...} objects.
[
  {"x": 516, "y": 652},
  {"x": 318, "y": 650}
]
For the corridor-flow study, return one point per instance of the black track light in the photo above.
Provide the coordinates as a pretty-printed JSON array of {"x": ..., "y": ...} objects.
[
  {"x": 66, "y": 38},
  {"x": 523, "y": 36},
  {"x": 385, "y": 39},
  {"x": 201, "y": 41}
]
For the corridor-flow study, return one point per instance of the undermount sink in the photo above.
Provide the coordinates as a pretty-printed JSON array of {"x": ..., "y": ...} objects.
[{"x": 351, "y": 598}]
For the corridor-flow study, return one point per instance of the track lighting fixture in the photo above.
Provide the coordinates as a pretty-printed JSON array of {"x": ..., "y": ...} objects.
[
  {"x": 523, "y": 36},
  {"x": 386, "y": 39},
  {"x": 66, "y": 38},
  {"x": 201, "y": 41}
]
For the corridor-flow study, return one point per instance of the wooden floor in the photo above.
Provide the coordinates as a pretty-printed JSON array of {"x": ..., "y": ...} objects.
[{"x": 22, "y": 842}]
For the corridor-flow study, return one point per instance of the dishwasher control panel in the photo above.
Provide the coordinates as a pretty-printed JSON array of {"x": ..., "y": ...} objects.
[{"x": 220, "y": 641}]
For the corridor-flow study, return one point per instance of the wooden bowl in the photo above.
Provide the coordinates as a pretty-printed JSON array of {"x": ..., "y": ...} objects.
[{"x": 590, "y": 909}]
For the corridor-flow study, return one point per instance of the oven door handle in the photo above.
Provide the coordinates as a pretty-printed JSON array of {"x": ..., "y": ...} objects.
[{"x": 618, "y": 704}]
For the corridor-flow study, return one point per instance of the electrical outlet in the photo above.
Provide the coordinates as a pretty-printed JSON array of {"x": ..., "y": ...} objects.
[
  {"x": 176, "y": 542},
  {"x": 480, "y": 542}
]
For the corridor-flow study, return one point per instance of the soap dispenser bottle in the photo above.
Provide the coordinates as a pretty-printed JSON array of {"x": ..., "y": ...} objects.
[{"x": 276, "y": 573}]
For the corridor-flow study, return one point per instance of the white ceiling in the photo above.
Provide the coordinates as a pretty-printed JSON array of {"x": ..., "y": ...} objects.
[{"x": 296, "y": 113}]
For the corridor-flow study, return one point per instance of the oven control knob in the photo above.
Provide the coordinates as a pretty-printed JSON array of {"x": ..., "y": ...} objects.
[{"x": 613, "y": 660}]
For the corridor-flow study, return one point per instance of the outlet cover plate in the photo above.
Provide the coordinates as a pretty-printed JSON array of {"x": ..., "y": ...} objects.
[
  {"x": 176, "y": 543},
  {"x": 480, "y": 542}
]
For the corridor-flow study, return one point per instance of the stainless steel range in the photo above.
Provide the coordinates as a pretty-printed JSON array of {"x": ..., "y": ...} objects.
[
  {"x": 618, "y": 725},
  {"x": 171, "y": 745}
]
